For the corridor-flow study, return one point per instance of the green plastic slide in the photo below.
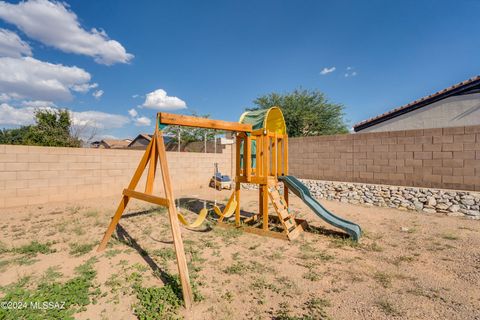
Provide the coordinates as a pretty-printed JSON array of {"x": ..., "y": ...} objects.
[{"x": 301, "y": 191}]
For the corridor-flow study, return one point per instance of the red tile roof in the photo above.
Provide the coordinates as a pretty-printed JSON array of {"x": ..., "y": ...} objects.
[{"x": 442, "y": 94}]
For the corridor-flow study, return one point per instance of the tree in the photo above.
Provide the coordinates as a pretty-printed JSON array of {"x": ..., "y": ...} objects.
[
  {"x": 306, "y": 112},
  {"x": 52, "y": 128}
]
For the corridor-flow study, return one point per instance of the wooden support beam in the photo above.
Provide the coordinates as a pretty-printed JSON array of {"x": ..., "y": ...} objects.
[
  {"x": 172, "y": 215},
  {"x": 274, "y": 154},
  {"x": 285, "y": 154},
  {"x": 197, "y": 122},
  {"x": 238, "y": 145},
  {"x": 247, "y": 154},
  {"x": 113, "y": 223},
  {"x": 152, "y": 169},
  {"x": 279, "y": 156},
  {"x": 266, "y": 156},
  {"x": 146, "y": 197},
  {"x": 259, "y": 157},
  {"x": 264, "y": 205}
]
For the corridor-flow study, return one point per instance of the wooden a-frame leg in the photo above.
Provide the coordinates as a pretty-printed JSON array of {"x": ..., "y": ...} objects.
[
  {"x": 152, "y": 169},
  {"x": 123, "y": 203},
  {"x": 176, "y": 234},
  {"x": 118, "y": 214}
]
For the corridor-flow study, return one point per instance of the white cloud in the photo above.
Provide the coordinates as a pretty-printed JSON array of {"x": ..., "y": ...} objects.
[
  {"x": 106, "y": 136},
  {"x": 135, "y": 96},
  {"x": 97, "y": 94},
  {"x": 12, "y": 46},
  {"x": 16, "y": 116},
  {"x": 137, "y": 119},
  {"x": 29, "y": 78},
  {"x": 99, "y": 120},
  {"x": 20, "y": 116},
  {"x": 85, "y": 87},
  {"x": 4, "y": 97},
  {"x": 133, "y": 113},
  {"x": 159, "y": 100},
  {"x": 142, "y": 121},
  {"x": 54, "y": 24},
  {"x": 38, "y": 104},
  {"x": 327, "y": 70},
  {"x": 351, "y": 74}
]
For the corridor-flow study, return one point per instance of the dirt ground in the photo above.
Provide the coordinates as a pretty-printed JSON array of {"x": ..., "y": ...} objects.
[{"x": 408, "y": 265}]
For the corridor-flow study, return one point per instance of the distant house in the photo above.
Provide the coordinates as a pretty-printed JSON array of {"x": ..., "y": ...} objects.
[
  {"x": 141, "y": 141},
  {"x": 111, "y": 144},
  {"x": 458, "y": 105}
]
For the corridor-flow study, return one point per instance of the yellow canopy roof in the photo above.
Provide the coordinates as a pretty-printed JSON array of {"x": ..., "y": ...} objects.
[{"x": 269, "y": 119}]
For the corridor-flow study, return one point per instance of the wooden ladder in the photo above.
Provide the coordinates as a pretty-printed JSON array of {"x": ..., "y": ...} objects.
[{"x": 280, "y": 205}]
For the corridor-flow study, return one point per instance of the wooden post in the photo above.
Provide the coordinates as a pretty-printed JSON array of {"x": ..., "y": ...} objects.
[
  {"x": 279, "y": 156},
  {"x": 237, "y": 156},
  {"x": 274, "y": 155},
  {"x": 113, "y": 223},
  {"x": 176, "y": 234},
  {"x": 259, "y": 156},
  {"x": 266, "y": 157},
  {"x": 247, "y": 154},
  {"x": 237, "y": 180},
  {"x": 260, "y": 200},
  {"x": 264, "y": 205},
  {"x": 285, "y": 154},
  {"x": 152, "y": 169}
]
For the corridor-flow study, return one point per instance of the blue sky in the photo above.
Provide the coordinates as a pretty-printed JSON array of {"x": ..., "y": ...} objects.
[{"x": 217, "y": 56}]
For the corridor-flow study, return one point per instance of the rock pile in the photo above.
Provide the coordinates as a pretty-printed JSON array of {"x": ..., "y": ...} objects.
[{"x": 428, "y": 200}]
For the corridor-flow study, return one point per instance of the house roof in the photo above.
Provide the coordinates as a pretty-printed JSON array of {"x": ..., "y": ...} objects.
[
  {"x": 456, "y": 89},
  {"x": 145, "y": 136},
  {"x": 116, "y": 144}
]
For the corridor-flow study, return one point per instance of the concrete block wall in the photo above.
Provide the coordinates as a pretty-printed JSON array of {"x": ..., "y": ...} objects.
[
  {"x": 440, "y": 158},
  {"x": 36, "y": 175}
]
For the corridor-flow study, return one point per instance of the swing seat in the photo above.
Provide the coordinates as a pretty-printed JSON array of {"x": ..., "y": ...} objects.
[
  {"x": 229, "y": 209},
  {"x": 195, "y": 224}
]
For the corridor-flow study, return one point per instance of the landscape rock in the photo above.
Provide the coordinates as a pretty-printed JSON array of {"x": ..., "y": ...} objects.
[
  {"x": 431, "y": 201},
  {"x": 454, "y": 208},
  {"x": 428, "y": 200}
]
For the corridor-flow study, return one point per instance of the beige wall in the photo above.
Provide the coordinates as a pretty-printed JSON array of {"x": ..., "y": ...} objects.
[
  {"x": 36, "y": 175},
  {"x": 440, "y": 158}
]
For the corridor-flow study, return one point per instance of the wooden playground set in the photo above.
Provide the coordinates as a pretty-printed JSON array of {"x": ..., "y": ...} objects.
[{"x": 261, "y": 159}]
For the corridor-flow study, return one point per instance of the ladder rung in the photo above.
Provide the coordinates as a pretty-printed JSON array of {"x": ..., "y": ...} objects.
[{"x": 289, "y": 223}]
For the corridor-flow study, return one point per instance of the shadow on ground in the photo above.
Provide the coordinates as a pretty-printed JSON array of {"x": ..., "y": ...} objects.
[{"x": 124, "y": 237}]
